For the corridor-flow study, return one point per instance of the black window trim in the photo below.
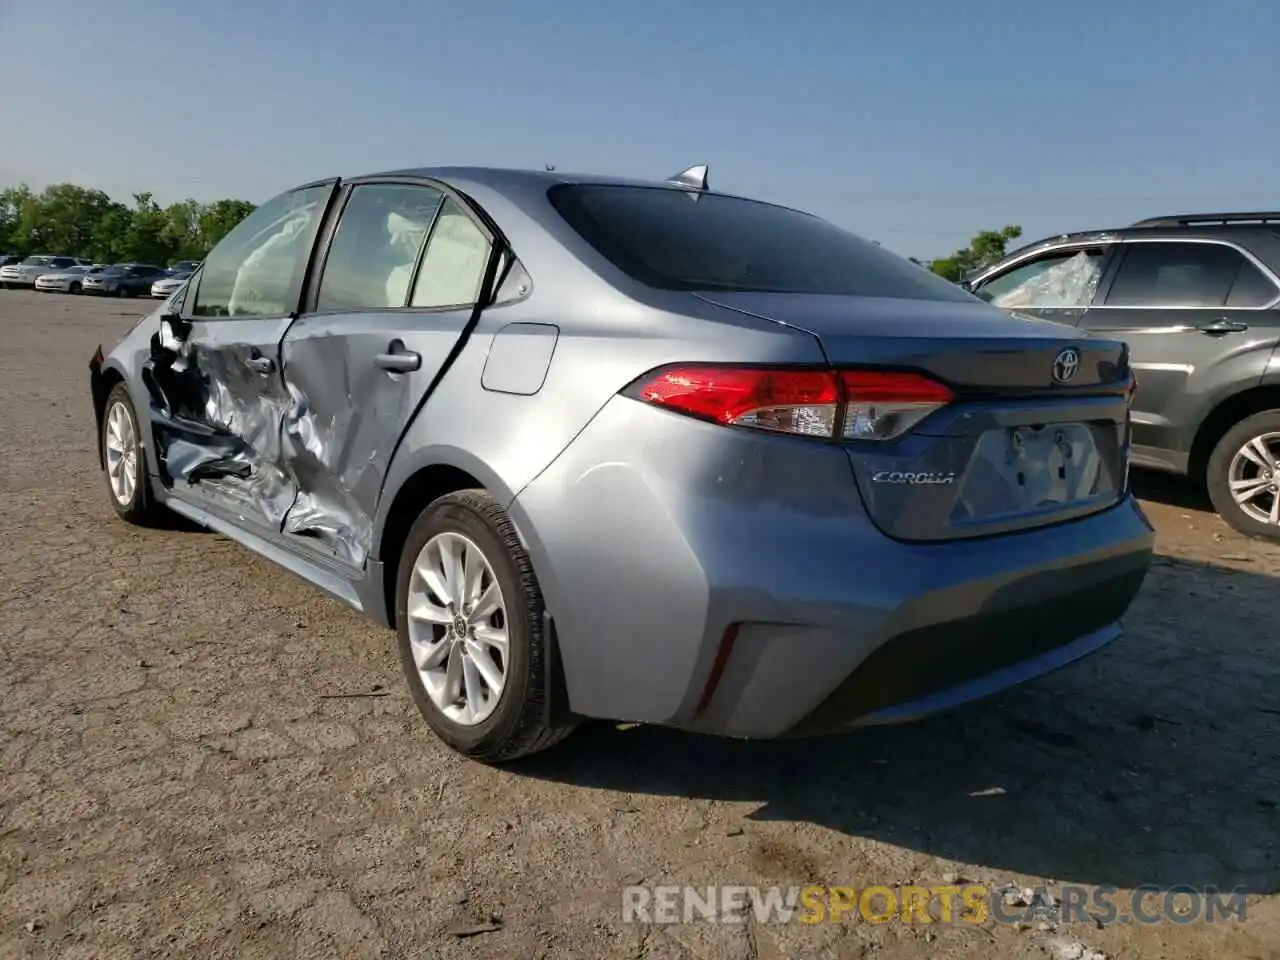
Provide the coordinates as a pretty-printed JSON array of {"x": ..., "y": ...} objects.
[
  {"x": 498, "y": 247},
  {"x": 1101, "y": 299},
  {"x": 191, "y": 292}
]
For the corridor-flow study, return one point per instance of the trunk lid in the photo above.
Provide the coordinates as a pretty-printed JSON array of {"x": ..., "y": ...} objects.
[{"x": 1020, "y": 447}]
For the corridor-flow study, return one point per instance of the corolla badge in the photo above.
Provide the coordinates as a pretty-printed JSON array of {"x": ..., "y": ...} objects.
[
  {"x": 1066, "y": 364},
  {"x": 915, "y": 479}
]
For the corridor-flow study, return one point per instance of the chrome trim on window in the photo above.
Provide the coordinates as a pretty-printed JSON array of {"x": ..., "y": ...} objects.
[{"x": 1083, "y": 244}]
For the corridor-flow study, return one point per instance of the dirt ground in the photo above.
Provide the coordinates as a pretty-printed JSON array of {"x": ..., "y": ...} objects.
[{"x": 201, "y": 756}]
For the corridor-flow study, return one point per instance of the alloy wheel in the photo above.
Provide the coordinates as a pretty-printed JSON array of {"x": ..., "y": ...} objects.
[
  {"x": 121, "y": 443},
  {"x": 1254, "y": 478},
  {"x": 457, "y": 620}
]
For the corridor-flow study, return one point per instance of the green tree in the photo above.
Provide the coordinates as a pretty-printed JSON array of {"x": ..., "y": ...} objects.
[
  {"x": 217, "y": 219},
  {"x": 84, "y": 222},
  {"x": 986, "y": 247},
  {"x": 13, "y": 204}
]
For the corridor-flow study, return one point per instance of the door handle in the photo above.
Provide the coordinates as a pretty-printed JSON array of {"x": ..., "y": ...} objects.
[
  {"x": 260, "y": 364},
  {"x": 1222, "y": 325},
  {"x": 397, "y": 359}
]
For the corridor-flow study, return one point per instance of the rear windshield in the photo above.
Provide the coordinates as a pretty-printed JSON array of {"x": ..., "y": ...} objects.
[
  {"x": 36, "y": 261},
  {"x": 679, "y": 240}
]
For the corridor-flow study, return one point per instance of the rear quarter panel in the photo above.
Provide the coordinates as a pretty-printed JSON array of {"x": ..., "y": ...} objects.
[{"x": 609, "y": 331}]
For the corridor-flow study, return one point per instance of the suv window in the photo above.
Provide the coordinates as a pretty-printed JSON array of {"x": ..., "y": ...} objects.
[
  {"x": 1064, "y": 278},
  {"x": 1252, "y": 288},
  {"x": 663, "y": 238},
  {"x": 375, "y": 248},
  {"x": 1183, "y": 275},
  {"x": 256, "y": 269},
  {"x": 453, "y": 266},
  {"x": 61, "y": 263}
]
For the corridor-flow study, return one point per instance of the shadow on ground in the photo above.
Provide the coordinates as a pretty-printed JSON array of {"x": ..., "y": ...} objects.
[
  {"x": 1154, "y": 761},
  {"x": 1170, "y": 490}
]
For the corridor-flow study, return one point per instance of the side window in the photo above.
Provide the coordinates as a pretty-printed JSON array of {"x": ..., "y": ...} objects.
[
  {"x": 371, "y": 258},
  {"x": 1062, "y": 279},
  {"x": 256, "y": 269},
  {"x": 1175, "y": 275},
  {"x": 453, "y": 266},
  {"x": 1251, "y": 288}
]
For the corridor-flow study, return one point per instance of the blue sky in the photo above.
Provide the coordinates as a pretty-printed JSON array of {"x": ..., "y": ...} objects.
[{"x": 914, "y": 123}]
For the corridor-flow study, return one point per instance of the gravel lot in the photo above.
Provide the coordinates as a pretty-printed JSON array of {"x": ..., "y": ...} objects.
[{"x": 201, "y": 756}]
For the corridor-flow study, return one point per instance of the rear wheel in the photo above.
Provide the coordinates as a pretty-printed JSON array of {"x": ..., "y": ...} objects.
[
  {"x": 1243, "y": 475},
  {"x": 470, "y": 624},
  {"x": 126, "y": 463}
]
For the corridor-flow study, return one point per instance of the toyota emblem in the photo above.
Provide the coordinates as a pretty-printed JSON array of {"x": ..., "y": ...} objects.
[{"x": 1066, "y": 364}]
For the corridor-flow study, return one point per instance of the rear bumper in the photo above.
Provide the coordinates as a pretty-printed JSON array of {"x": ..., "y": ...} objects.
[
  {"x": 1026, "y": 629},
  {"x": 732, "y": 583}
]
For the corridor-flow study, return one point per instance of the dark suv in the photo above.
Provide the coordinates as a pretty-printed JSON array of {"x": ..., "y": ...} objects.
[{"x": 1197, "y": 298}]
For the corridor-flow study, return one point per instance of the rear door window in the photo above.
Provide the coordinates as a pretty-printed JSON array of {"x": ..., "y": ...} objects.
[
  {"x": 1186, "y": 274},
  {"x": 375, "y": 248},
  {"x": 454, "y": 264}
]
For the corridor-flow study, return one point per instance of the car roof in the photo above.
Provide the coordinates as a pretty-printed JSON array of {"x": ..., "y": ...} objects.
[{"x": 505, "y": 179}]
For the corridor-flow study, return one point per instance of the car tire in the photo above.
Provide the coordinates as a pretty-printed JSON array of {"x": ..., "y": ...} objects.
[
  {"x": 133, "y": 503},
  {"x": 73, "y": 288},
  {"x": 1235, "y": 459},
  {"x": 517, "y": 724}
]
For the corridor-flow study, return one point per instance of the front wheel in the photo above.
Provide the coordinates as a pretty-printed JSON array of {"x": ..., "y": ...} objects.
[
  {"x": 471, "y": 631},
  {"x": 1243, "y": 476},
  {"x": 74, "y": 288},
  {"x": 126, "y": 462}
]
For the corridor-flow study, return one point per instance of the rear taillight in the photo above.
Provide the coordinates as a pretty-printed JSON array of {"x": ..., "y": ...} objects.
[
  {"x": 833, "y": 404},
  {"x": 880, "y": 405}
]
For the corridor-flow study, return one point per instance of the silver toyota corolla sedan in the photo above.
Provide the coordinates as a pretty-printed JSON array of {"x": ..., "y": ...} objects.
[{"x": 635, "y": 450}]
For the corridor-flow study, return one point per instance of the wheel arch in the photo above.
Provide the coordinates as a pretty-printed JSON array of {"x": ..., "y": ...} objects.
[
  {"x": 102, "y": 380},
  {"x": 410, "y": 488},
  {"x": 1222, "y": 417}
]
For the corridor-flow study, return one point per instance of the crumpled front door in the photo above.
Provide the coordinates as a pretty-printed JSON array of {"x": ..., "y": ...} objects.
[{"x": 218, "y": 405}]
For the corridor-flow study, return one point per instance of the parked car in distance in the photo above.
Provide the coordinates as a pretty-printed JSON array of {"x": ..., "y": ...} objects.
[
  {"x": 8, "y": 258},
  {"x": 596, "y": 450},
  {"x": 1197, "y": 298},
  {"x": 165, "y": 287},
  {"x": 124, "y": 280},
  {"x": 185, "y": 266},
  {"x": 70, "y": 280},
  {"x": 25, "y": 272}
]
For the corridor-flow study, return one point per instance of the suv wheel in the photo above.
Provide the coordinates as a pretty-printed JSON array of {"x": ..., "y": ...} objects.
[
  {"x": 126, "y": 461},
  {"x": 1243, "y": 475},
  {"x": 470, "y": 624}
]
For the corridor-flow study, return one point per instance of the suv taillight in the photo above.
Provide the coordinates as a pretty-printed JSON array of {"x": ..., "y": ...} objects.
[{"x": 832, "y": 404}]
